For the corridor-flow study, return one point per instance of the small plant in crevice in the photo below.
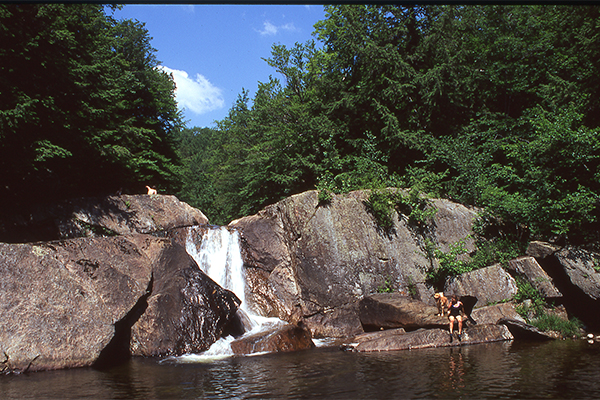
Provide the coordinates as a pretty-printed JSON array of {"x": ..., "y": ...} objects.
[
  {"x": 387, "y": 286},
  {"x": 411, "y": 286},
  {"x": 530, "y": 301}
]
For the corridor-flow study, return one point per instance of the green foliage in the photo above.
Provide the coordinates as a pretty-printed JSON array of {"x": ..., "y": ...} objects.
[
  {"x": 384, "y": 202},
  {"x": 85, "y": 108},
  {"x": 493, "y": 106},
  {"x": 450, "y": 263},
  {"x": 552, "y": 322},
  {"x": 526, "y": 291},
  {"x": 381, "y": 203}
]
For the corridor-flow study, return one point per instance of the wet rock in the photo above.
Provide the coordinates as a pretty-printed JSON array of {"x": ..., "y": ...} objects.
[
  {"x": 61, "y": 302},
  {"x": 95, "y": 301},
  {"x": 392, "y": 310},
  {"x": 524, "y": 331},
  {"x": 279, "y": 339},
  {"x": 186, "y": 311},
  {"x": 427, "y": 338},
  {"x": 490, "y": 285},
  {"x": 529, "y": 268},
  {"x": 491, "y": 314},
  {"x": 323, "y": 257}
]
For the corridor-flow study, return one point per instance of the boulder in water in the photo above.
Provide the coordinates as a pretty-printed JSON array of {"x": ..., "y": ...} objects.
[
  {"x": 186, "y": 311},
  {"x": 279, "y": 339}
]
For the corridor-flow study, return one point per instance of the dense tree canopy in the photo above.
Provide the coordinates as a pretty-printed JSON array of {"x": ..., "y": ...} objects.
[
  {"x": 84, "y": 110},
  {"x": 495, "y": 106}
]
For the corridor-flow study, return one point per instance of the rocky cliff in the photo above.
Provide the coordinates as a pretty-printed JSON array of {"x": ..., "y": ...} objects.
[
  {"x": 97, "y": 300},
  {"x": 313, "y": 261}
]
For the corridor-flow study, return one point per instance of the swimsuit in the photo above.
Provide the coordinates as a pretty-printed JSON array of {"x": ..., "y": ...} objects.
[{"x": 455, "y": 309}]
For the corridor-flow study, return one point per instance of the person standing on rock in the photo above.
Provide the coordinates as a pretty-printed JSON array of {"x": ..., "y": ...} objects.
[{"x": 455, "y": 308}]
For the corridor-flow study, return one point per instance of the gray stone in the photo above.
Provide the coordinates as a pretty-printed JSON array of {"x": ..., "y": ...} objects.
[
  {"x": 580, "y": 266},
  {"x": 316, "y": 258},
  {"x": 428, "y": 338},
  {"x": 60, "y": 301},
  {"x": 524, "y": 331},
  {"x": 392, "y": 310},
  {"x": 539, "y": 249},
  {"x": 124, "y": 215},
  {"x": 490, "y": 285},
  {"x": 186, "y": 310},
  {"x": 491, "y": 314},
  {"x": 529, "y": 268},
  {"x": 94, "y": 301}
]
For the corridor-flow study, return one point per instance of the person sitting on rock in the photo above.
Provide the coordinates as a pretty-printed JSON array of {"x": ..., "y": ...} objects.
[{"x": 455, "y": 308}]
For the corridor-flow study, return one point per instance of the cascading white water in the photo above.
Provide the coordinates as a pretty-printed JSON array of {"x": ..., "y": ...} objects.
[{"x": 220, "y": 257}]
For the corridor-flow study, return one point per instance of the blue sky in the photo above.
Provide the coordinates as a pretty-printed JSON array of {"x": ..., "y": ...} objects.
[{"x": 214, "y": 51}]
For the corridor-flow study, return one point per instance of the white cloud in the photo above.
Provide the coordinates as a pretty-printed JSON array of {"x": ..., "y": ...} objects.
[
  {"x": 197, "y": 94},
  {"x": 270, "y": 29}
]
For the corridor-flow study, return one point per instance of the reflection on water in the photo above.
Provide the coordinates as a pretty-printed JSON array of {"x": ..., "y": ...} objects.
[{"x": 561, "y": 369}]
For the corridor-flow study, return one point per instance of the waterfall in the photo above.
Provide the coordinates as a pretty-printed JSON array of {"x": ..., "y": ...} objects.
[{"x": 219, "y": 256}]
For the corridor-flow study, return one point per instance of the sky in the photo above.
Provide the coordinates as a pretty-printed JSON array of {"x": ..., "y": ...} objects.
[{"x": 215, "y": 51}]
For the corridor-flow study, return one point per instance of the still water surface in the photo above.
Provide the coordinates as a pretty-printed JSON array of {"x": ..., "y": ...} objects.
[{"x": 560, "y": 369}]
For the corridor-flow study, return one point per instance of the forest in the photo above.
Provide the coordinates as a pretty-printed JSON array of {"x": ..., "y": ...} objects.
[{"x": 493, "y": 106}]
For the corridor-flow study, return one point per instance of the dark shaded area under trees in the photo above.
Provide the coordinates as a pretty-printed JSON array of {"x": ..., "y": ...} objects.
[{"x": 83, "y": 109}]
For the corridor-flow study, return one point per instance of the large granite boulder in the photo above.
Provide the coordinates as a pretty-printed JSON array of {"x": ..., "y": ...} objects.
[
  {"x": 529, "y": 268},
  {"x": 186, "y": 310},
  {"x": 278, "y": 339},
  {"x": 392, "y": 310},
  {"x": 79, "y": 302},
  {"x": 320, "y": 259},
  {"x": 101, "y": 216},
  {"x": 426, "y": 338},
  {"x": 61, "y": 301},
  {"x": 125, "y": 214},
  {"x": 490, "y": 285},
  {"x": 583, "y": 269},
  {"x": 491, "y": 314}
]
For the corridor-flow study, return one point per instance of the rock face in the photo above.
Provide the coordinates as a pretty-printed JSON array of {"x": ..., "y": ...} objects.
[
  {"x": 529, "y": 267},
  {"x": 126, "y": 214},
  {"x": 73, "y": 303},
  {"x": 489, "y": 285},
  {"x": 575, "y": 273},
  {"x": 279, "y": 339},
  {"x": 427, "y": 338},
  {"x": 103, "y": 216},
  {"x": 186, "y": 310},
  {"x": 319, "y": 260},
  {"x": 492, "y": 314},
  {"x": 391, "y": 310}
]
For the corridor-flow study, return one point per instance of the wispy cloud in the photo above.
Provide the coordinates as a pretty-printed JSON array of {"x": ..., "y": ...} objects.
[
  {"x": 196, "y": 94},
  {"x": 270, "y": 30}
]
